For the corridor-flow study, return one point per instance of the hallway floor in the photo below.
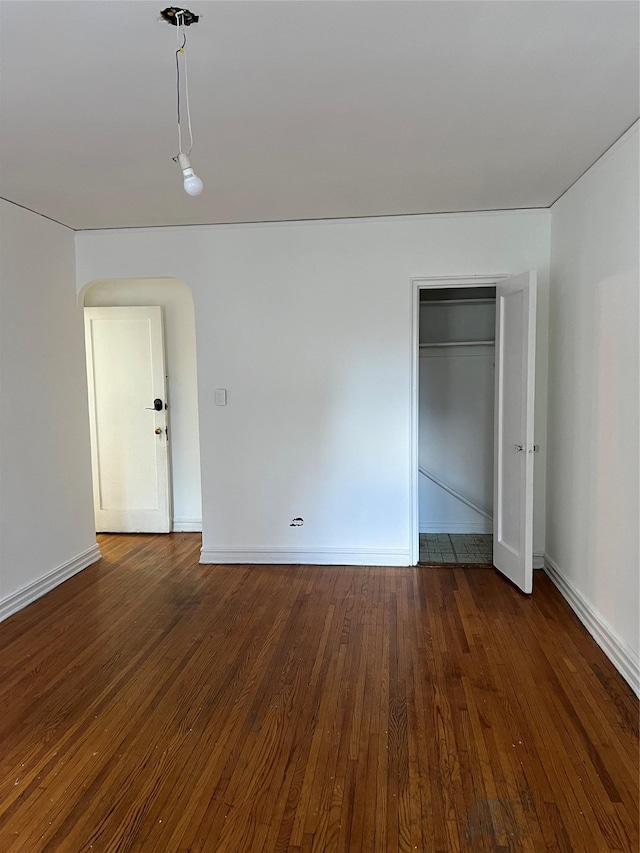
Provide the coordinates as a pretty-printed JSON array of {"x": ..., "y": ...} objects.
[{"x": 475, "y": 548}]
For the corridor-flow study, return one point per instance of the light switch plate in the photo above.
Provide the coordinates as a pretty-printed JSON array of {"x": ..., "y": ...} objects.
[{"x": 220, "y": 396}]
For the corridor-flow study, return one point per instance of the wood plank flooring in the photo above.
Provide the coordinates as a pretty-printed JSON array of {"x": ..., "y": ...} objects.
[{"x": 152, "y": 704}]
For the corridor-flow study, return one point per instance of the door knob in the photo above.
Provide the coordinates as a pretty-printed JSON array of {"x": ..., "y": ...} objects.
[{"x": 158, "y": 431}]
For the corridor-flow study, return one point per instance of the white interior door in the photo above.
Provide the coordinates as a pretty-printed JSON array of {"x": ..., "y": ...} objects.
[
  {"x": 129, "y": 436},
  {"x": 513, "y": 449}
]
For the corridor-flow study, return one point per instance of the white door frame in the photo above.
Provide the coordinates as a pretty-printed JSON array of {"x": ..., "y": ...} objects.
[{"x": 418, "y": 284}]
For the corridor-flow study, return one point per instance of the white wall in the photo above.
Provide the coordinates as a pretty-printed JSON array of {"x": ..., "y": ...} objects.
[
  {"x": 46, "y": 523},
  {"x": 308, "y": 326},
  {"x": 180, "y": 354},
  {"x": 594, "y": 436},
  {"x": 592, "y": 496}
]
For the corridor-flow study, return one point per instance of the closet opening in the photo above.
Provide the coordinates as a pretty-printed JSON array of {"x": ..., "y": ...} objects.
[{"x": 455, "y": 408}]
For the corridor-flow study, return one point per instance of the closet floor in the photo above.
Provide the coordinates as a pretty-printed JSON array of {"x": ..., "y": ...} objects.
[{"x": 456, "y": 548}]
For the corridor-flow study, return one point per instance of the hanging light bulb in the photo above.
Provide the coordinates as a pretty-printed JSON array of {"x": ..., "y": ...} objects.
[
  {"x": 181, "y": 18},
  {"x": 192, "y": 183}
]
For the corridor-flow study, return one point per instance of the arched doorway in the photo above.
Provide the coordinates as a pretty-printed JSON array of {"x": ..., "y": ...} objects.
[{"x": 176, "y": 302}]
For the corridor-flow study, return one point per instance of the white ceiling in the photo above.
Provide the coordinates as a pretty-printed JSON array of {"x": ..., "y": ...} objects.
[{"x": 305, "y": 110}]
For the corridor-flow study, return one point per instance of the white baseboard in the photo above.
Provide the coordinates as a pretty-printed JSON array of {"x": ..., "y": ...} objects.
[
  {"x": 17, "y": 600},
  {"x": 311, "y": 556},
  {"x": 625, "y": 660},
  {"x": 187, "y": 525},
  {"x": 455, "y": 527},
  {"x": 538, "y": 560}
]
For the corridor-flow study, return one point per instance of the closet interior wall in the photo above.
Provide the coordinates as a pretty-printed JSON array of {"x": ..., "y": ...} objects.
[{"x": 456, "y": 401}]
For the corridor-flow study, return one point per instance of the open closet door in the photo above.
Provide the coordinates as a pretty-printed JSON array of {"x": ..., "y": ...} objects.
[{"x": 514, "y": 451}]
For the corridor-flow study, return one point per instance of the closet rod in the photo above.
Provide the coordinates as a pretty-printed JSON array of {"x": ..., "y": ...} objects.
[
  {"x": 460, "y": 344},
  {"x": 487, "y": 301}
]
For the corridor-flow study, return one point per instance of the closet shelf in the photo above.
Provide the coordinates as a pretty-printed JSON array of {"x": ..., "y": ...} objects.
[
  {"x": 459, "y": 344},
  {"x": 431, "y": 302}
]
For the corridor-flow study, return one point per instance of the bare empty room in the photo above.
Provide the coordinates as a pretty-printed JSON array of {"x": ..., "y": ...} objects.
[{"x": 319, "y": 426}]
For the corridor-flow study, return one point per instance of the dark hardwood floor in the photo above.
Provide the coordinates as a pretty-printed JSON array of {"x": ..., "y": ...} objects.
[{"x": 152, "y": 704}]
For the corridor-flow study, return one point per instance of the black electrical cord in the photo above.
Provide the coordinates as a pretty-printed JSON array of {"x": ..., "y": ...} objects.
[{"x": 178, "y": 51}]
